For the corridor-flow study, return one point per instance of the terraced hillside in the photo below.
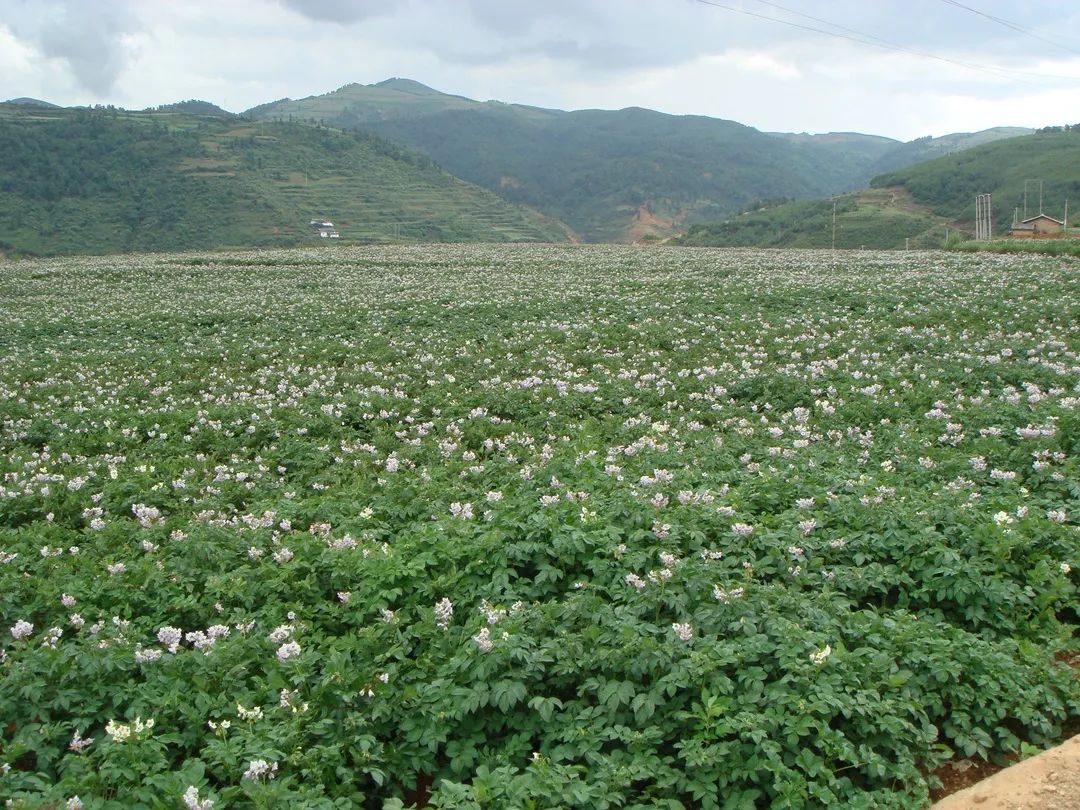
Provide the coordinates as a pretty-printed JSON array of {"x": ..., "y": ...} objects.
[
  {"x": 615, "y": 175},
  {"x": 611, "y": 175},
  {"x": 99, "y": 181}
]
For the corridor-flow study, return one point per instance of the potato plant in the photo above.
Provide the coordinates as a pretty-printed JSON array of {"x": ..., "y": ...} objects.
[{"x": 532, "y": 527}]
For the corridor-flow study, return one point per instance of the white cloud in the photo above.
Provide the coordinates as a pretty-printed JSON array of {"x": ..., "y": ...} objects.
[
  {"x": 89, "y": 38},
  {"x": 16, "y": 58},
  {"x": 25, "y": 72},
  {"x": 677, "y": 56},
  {"x": 750, "y": 62}
]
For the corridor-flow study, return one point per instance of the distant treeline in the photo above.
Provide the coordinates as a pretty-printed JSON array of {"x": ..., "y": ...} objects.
[
  {"x": 85, "y": 154},
  {"x": 1062, "y": 128}
]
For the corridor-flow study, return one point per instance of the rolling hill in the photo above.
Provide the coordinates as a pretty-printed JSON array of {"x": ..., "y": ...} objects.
[
  {"x": 24, "y": 101},
  {"x": 99, "y": 181},
  {"x": 357, "y": 104},
  {"x": 916, "y": 205},
  {"x": 612, "y": 175},
  {"x": 922, "y": 149},
  {"x": 867, "y": 156},
  {"x": 399, "y": 160},
  {"x": 193, "y": 106},
  {"x": 880, "y": 218},
  {"x": 948, "y": 185},
  {"x": 616, "y": 175}
]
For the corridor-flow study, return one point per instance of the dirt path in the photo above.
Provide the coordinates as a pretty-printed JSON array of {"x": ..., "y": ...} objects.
[{"x": 1049, "y": 781}]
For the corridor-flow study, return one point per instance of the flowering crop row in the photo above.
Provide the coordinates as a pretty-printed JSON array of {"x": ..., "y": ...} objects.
[{"x": 532, "y": 527}]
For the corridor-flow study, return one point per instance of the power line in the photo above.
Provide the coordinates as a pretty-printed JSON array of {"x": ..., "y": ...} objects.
[
  {"x": 747, "y": 13},
  {"x": 1014, "y": 26},
  {"x": 832, "y": 24},
  {"x": 885, "y": 43},
  {"x": 863, "y": 38},
  {"x": 904, "y": 49}
]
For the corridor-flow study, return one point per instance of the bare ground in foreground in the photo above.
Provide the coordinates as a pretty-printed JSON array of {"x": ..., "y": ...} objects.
[{"x": 1049, "y": 781}]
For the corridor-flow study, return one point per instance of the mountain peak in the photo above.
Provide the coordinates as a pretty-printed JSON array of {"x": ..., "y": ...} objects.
[
  {"x": 407, "y": 86},
  {"x": 24, "y": 101}
]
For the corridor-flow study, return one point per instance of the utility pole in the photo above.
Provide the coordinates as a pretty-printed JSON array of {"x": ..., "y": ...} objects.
[
  {"x": 834, "y": 224},
  {"x": 984, "y": 229}
]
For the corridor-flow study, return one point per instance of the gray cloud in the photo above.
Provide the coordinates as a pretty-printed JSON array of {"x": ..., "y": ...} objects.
[
  {"x": 506, "y": 17},
  {"x": 594, "y": 35},
  {"x": 676, "y": 55},
  {"x": 88, "y": 37},
  {"x": 610, "y": 36},
  {"x": 342, "y": 12}
]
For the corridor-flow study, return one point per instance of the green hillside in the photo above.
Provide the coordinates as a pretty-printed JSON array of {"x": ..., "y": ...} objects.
[
  {"x": 948, "y": 185},
  {"x": 884, "y": 218},
  {"x": 357, "y": 104},
  {"x": 866, "y": 156},
  {"x": 399, "y": 161},
  {"x": 95, "y": 181},
  {"x": 611, "y": 175},
  {"x": 194, "y": 106},
  {"x": 922, "y": 149},
  {"x": 617, "y": 175},
  {"x": 859, "y": 154},
  {"x": 915, "y": 205}
]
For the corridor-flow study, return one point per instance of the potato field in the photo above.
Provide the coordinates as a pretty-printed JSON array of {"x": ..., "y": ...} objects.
[{"x": 533, "y": 527}]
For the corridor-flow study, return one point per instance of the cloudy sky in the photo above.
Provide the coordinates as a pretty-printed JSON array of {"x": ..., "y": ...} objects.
[{"x": 902, "y": 68}]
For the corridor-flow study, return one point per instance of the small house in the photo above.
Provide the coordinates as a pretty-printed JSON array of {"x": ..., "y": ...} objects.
[
  {"x": 1036, "y": 227},
  {"x": 324, "y": 228}
]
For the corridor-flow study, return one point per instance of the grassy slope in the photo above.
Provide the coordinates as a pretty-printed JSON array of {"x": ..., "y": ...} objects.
[
  {"x": 611, "y": 175},
  {"x": 948, "y": 185},
  {"x": 922, "y": 149},
  {"x": 918, "y": 203},
  {"x": 76, "y": 181},
  {"x": 875, "y": 218}
]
